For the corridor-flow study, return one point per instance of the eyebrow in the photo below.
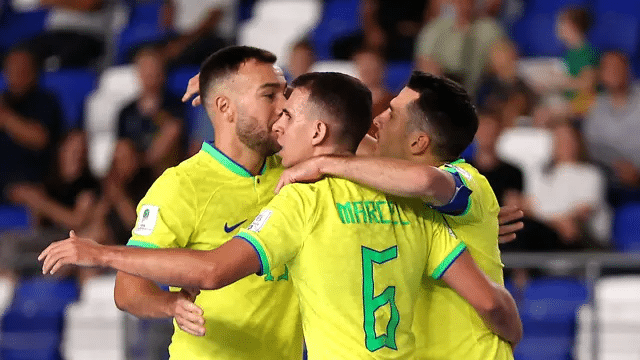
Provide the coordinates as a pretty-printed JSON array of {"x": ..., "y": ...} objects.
[
  {"x": 270, "y": 85},
  {"x": 286, "y": 112}
]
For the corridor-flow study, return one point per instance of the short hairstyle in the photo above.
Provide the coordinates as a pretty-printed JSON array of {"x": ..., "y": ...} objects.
[
  {"x": 579, "y": 17},
  {"x": 227, "y": 61},
  {"x": 343, "y": 98},
  {"x": 444, "y": 111}
]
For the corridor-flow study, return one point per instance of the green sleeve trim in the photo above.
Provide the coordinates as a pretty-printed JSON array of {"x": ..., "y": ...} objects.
[
  {"x": 142, "y": 244},
  {"x": 264, "y": 261},
  {"x": 444, "y": 265}
]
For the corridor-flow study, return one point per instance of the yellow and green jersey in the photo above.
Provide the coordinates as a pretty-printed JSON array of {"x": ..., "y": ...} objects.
[
  {"x": 356, "y": 257},
  {"x": 446, "y": 325},
  {"x": 200, "y": 204}
]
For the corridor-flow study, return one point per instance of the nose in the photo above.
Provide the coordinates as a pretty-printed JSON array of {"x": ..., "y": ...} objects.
[{"x": 277, "y": 127}]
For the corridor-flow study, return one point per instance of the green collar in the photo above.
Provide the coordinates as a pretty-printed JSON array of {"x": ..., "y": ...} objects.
[
  {"x": 459, "y": 161},
  {"x": 227, "y": 162}
]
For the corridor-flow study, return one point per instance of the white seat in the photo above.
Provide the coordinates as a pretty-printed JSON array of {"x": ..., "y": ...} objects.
[
  {"x": 341, "y": 66},
  {"x": 94, "y": 327},
  {"x": 530, "y": 149},
  {"x": 6, "y": 294},
  {"x": 117, "y": 87},
  {"x": 278, "y": 24}
]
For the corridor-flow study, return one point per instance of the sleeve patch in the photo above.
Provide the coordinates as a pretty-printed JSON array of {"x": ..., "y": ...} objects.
[
  {"x": 147, "y": 218},
  {"x": 260, "y": 220}
]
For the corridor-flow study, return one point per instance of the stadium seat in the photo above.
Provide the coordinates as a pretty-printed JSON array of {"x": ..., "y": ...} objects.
[
  {"x": 397, "y": 76},
  {"x": 14, "y": 218},
  {"x": 177, "y": 81},
  {"x": 6, "y": 294},
  {"x": 626, "y": 228},
  {"x": 553, "y": 6},
  {"x": 530, "y": 149},
  {"x": 44, "y": 293},
  {"x": 94, "y": 327},
  {"x": 621, "y": 7},
  {"x": 548, "y": 313},
  {"x": 71, "y": 87},
  {"x": 30, "y": 346},
  {"x": 616, "y": 31},
  {"x": 341, "y": 66},
  {"x": 143, "y": 27},
  {"x": 117, "y": 86},
  {"x": 278, "y": 24},
  {"x": 18, "y": 27},
  {"x": 535, "y": 35},
  {"x": 339, "y": 18}
]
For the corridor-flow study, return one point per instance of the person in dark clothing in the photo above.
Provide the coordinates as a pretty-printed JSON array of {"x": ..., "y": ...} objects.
[{"x": 30, "y": 123}]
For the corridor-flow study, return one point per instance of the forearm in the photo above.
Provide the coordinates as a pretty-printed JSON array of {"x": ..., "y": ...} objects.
[
  {"x": 166, "y": 142},
  {"x": 504, "y": 319},
  {"x": 142, "y": 298},
  {"x": 396, "y": 177},
  {"x": 25, "y": 132},
  {"x": 177, "y": 267}
]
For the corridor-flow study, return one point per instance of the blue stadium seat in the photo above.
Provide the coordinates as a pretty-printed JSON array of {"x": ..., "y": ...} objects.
[
  {"x": 133, "y": 37},
  {"x": 14, "y": 218},
  {"x": 177, "y": 81},
  {"x": 145, "y": 13},
  {"x": 615, "y": 31},
  {"x": 339, "y": 18},
  {"x": 553, "y": 6},
  {"x": 601, "y": 7},
  {"x": 626, "y": 228},
  {"x": 30, "y": 346},
  {"x": 397, "y": 76},
  {"x": 71, "y": 87},
  {"x": 46, "y": 293},
  {"x": 548, "y": 313},
  {"x": 536, "y": 35},
  {"x": 18, "y": 27}
]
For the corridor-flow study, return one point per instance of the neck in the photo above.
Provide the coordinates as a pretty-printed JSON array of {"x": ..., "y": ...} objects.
[
  {"x": 233, "y": 148},
  {"x": 331, "y": 150},
  {"x": 428, "y": 159},
  {"x": 576, "y": 43}
]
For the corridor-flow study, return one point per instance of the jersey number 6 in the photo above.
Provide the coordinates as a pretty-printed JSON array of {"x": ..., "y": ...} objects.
[{"x": 373, "y": 303}]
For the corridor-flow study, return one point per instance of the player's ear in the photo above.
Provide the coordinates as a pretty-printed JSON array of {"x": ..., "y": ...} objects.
[
  {"x": 223, "y": 106},
  {"x": 419, "y": 143},
  {"x": 320, "y": 132}
]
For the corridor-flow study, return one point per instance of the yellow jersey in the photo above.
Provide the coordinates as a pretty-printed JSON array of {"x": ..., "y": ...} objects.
[
  {"x": 449, "y": 327},
  {"x": 200, "y": 204},
  {"x": 356, "y": 257}
]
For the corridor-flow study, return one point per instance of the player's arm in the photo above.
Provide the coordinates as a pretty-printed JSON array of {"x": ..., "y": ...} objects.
[
  {"x": 392, "y": 176},
  {"x": 207, "y": 270},
  {"x": 492, "y": 302}
]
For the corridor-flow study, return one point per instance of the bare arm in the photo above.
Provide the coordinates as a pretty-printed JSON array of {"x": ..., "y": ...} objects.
[
  {"x": 397, "y": 177},
  {"x": 166, "y": 141},
  {"x": 39, "y": 202},
  {"x": 213, "y": 269},
  {"x": 492, "y": 302},
  {"x": 26, "y": 132}
]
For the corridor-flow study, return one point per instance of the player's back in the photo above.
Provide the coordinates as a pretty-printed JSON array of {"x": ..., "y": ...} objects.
[
  {"x": 449, "y": 327},
  {"x": 358, "y": 266}
]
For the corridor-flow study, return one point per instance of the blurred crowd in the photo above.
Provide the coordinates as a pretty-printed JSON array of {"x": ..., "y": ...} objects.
[{"x": 558, "y": 138}]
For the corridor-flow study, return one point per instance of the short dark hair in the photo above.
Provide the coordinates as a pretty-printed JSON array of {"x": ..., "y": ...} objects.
[
  {"x": 445, "y": 112},
  {"x": 345, "y": 99},
  {"x": 579, "y": 17},
  {"x": 228, "y": 60}
]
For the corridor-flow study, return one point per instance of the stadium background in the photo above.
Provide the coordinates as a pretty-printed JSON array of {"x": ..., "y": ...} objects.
[{"x": 577, "y": 292}]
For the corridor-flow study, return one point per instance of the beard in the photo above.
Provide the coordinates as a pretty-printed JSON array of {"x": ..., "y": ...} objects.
[{"x": 255, "y": 137}]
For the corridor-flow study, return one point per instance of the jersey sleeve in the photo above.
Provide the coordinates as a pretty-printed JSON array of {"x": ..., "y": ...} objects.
[
  {"x": 465, "y": 205},
  {"x": 444, "y": 247},
  {"x": 278, "y": 232},
  {"x": 166, "y": 214}
]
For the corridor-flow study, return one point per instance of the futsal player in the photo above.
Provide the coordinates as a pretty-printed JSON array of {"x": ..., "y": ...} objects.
[
  {"x": 428, "y": 125},
  {"x": 203, "y": 201},
  {"x": 335, "y": 236}
]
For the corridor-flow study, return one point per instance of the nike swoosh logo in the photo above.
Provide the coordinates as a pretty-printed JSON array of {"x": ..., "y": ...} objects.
[{"x": 229, "y": 229}]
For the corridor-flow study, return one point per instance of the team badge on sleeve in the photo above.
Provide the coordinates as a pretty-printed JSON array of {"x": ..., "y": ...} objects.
[
  {"x": 146, "y": 220},
  {"x": 260, "y": 220}
]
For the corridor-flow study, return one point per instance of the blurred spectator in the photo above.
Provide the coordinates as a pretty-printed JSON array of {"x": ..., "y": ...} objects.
[
  {"x": 30, "y": 123},
  {"x": 581, "y": 59},
  {"x": 458, "y": 46},
  {"x": 574, "y": 200},
  {"x": 154, "y": 121},
  {"x": 301, "y": 58},
  {"x": 75, "y": 33},
  {"x": 389, "y": 26},
  {"x": 502, "y": 89},
  {"x": 612, "y": 129},
  {"x": 370, "y": 67},
  {"x": 507, "y": 183},
  {"x": 68, "y": 197},
  {"x": 202, "y": 27},
  {"x": 124, "y": 186}
]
